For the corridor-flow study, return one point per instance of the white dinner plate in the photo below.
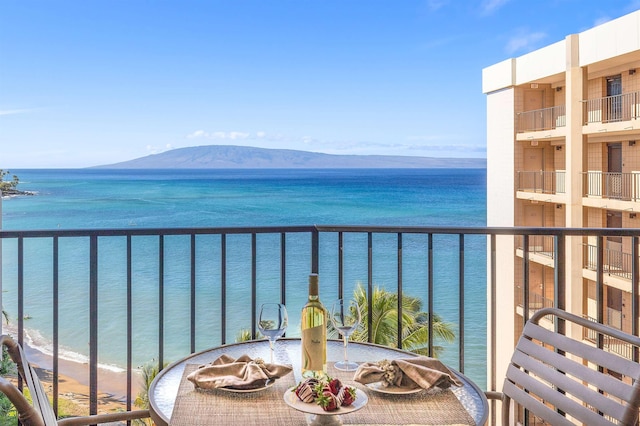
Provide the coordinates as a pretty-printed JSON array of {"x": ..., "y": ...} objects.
[
  {"x": 293, "y": 401},
  {"x": 394, "y": 390}
]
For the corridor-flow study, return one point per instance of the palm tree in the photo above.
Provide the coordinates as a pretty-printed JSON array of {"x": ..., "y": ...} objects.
[{"x": 415, "y": 323}]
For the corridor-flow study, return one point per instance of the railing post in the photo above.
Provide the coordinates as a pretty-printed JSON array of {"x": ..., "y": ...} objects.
[
  {"x": 430, "y": 295},
  {"x": 600, "y": 286},
  {"x": 160, "y": 302},
  {"x": 93, "y": 324},
  {"x": 340, "y": 265},
  {"x": 315, "y": 250},
  {"x": 254, "y": 290},
  {"x": 56, "y": 317},
  {"x": 283, "y": 268},
  {"x": 461, "y": 305},
  {"x": 223, "y": 289},
  {"x": 635, "y": 272},
  {"x": 193, "y": 293},
  {"x": 399, "y": 266},
  {"x": 559, "y": 292},
  {"x": 369, "y": 286},
  {"x": 525, "y": 278},
  {"x": 129, "y": 323}
]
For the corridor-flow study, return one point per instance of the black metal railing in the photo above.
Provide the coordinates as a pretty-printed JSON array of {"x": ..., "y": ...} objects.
[
  {"x": 545, "y": 182},
  {"x": 541, "y": 119},
  {"x": 281, "y": 256},
  {"x": 611, "y": 109},
  {"x": 612, "y": 185}
]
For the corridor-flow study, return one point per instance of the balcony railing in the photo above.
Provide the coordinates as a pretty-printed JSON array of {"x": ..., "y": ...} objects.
[
  {"x": 535, "y": 301},
  {"x": 544, "y": 182},
  {"x": 612, "y": 185},
  {"x": 614, "y": 262},
  {"x": 541, "y": 119},
  {"x": 539, "y": 244},
  {"x": 610, "y": 343},
  {"x": 185, "y": 297},
  {"x": 611, "y": 109}
]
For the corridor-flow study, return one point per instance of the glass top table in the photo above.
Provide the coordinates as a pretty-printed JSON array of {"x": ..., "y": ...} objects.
[{"x": 164, "y": 389}]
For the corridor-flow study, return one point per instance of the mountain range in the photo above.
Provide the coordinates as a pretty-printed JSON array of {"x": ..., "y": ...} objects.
[{"x": 243, "y": 157}]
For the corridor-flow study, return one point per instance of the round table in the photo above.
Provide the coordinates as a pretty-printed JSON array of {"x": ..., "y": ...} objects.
[{"x": 164, "y": 388}]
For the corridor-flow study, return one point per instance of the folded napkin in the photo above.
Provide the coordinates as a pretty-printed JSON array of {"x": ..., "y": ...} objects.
[
  {"x": 410, "y": 373},
  {"x": 241, "y": 373}
]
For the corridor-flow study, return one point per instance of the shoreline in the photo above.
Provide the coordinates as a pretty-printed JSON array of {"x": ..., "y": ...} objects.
[{"x": 73, "y": 380}]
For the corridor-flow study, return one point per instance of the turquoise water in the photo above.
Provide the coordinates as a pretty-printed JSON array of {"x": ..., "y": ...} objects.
[{"x": 79, "y": 199}]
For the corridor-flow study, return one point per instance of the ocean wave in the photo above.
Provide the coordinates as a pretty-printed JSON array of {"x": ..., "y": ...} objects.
[{"x": 36, "y": 341}]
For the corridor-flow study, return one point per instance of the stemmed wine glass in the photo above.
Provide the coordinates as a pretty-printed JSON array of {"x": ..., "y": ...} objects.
[
  {"x": 273, "y": 322},
  {"x": 345, "y": 316}
]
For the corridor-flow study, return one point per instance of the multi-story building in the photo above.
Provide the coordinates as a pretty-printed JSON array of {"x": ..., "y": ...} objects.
[{"x": 563, "y": 150}]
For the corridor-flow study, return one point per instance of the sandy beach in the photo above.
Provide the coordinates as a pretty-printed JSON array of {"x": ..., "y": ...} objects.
[{"x": 73, "y": 383}]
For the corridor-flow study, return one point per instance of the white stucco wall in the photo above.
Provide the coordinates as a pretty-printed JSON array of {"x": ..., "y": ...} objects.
[{"x": 613, "y": 38}]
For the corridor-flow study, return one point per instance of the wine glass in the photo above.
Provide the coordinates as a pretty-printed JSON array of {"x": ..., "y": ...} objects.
[
  {"x": 273, "y": 322},
  {"x": 345, "y": 316}
]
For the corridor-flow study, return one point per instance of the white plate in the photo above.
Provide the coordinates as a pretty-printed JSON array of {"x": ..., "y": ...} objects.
[
  {"x": 266, "y": 386},
  {"x": 293, "y": 401},
  {"x": 394, "y": 390}
]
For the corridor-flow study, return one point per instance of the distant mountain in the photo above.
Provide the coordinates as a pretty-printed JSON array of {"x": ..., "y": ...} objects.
[{"x": 242, "y": 157}]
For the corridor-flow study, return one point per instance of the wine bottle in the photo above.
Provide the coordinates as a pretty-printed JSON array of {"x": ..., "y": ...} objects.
[{"x": 314, "y": 333}]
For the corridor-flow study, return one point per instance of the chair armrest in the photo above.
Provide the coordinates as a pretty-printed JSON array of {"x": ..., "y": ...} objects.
[
  {"x": 494, "y": 395},
  {"x": 26, "y": 413},
  {"x": 104, "y": 418}
]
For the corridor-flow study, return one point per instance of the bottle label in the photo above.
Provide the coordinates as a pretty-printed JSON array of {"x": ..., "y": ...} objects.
[{"x": 313, "y": 348}]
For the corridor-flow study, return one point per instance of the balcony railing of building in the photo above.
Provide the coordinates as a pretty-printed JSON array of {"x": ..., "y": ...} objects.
[
  {"x": 281, "y": 256},
  {"x": 614, "y": 262},
  {"x": 541, "y": 119},
  {"x": 612, "y": 109},
  {"x": 539, "y": 244},
  {"x": 611, "y": 344},
  {"x": 544, "y": 182},
  {"x": 612, "y": 185},
  {"x": 536, "y": 301}
]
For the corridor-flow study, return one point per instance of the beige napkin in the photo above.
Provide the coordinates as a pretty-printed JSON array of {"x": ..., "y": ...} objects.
[
  {"x": 241, "y": 373},
  {"x": 410, "y": 373}
]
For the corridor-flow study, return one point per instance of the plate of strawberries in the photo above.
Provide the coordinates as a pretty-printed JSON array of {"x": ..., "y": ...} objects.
[{"x": 325, "y": 397}]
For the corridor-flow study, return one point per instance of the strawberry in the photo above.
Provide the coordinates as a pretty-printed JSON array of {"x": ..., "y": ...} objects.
[
  {"x": 347, "y": 395},
  {"x": 328, "y": 401},
  {"x": 305, "y": 392},
  {"x": 335, "y": 386}
]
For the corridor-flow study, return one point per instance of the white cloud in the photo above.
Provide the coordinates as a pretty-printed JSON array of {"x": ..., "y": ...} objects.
[
  {"x": 13, "y": 111},
  {"x": 436, "y": 4},
  {"x": 219, "y": 135},
  {"x": 524, "y": 41},
  {"x": 490, "y": 6},
  {"x": 601, "y": 20}
]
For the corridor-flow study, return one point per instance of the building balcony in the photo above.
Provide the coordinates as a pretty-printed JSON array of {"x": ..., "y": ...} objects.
[
  {"x": 609, "y": 343},
  {"x": 612, "y": 113},
  {"x": 543, "y": 186},
  {"x": 195, "y": 278},
  {"x": 542, "y": 120},
  {"x": 614, "y": 191},
  {"x": 617, "y": 266}
]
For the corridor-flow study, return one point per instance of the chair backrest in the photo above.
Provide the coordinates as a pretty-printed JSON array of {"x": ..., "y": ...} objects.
[
  {"x": 40, "y": 413},
  {"x": 565, "y": 380}
]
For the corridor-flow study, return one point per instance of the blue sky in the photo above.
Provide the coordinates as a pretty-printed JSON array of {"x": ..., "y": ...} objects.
[{"x": 91, "y": 82}]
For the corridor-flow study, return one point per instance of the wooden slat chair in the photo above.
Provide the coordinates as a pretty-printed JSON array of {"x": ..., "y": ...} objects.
[
  {"x": 40, "y": 412},
  {"x": 566, "y": 381}
]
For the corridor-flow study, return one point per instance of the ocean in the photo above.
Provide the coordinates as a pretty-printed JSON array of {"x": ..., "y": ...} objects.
[{"x": 96, "y": 198}]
